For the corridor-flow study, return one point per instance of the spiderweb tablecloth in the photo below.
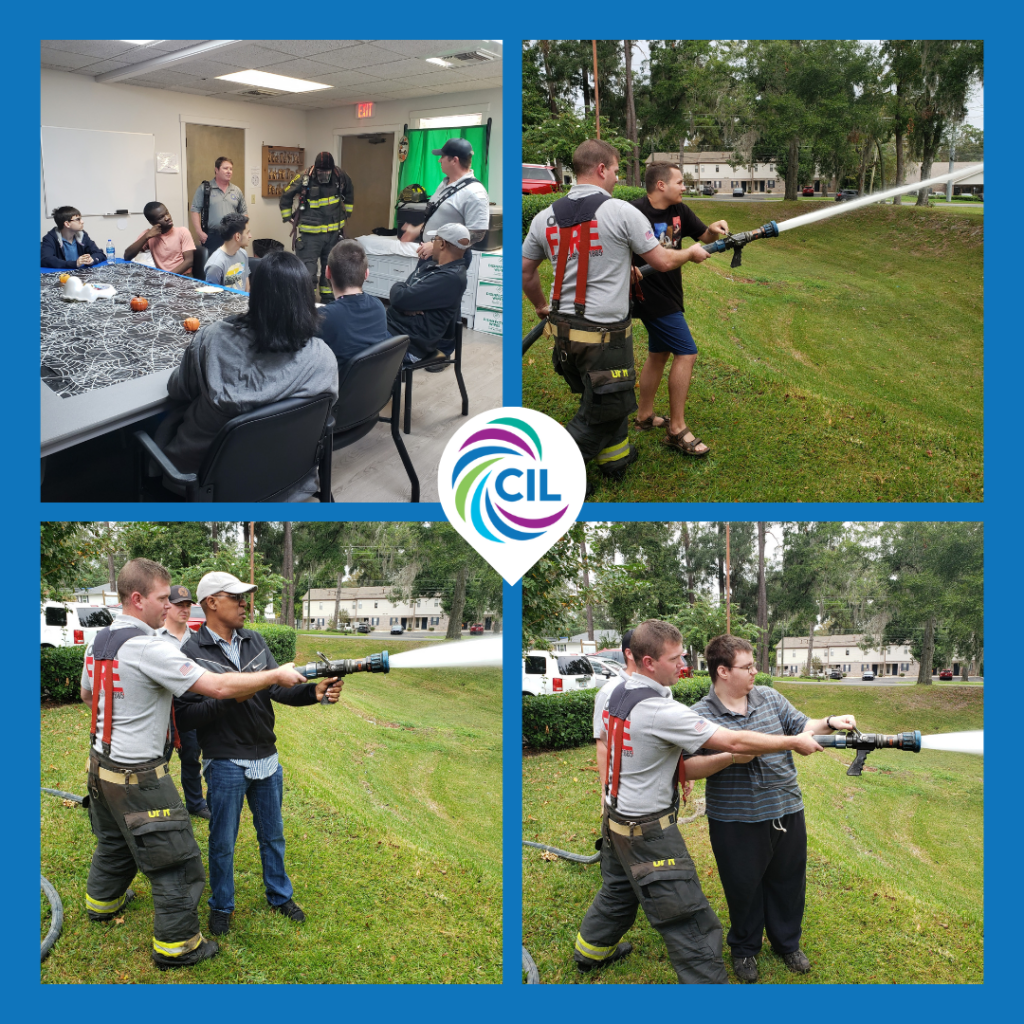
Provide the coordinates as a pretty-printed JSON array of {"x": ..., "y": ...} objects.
[{"x": 86, "y": 346}]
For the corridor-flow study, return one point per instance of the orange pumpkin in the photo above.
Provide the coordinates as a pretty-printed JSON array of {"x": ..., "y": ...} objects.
[
  {"x": 139, "y": 304},
  {"x": 191, "y": 324},
  {"x": 64, "y": 277}
]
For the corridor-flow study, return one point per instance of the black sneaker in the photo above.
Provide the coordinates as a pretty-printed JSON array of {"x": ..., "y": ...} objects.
[
  {"x": 206, "y": 949},
  {"x": 290, "y": 909},
  {"x": 583, "y": 966},
  {"x": 129, "y": 895},
  {"x": 619, "y": 467},
  {"x": 440, "y": 368},
  {"x": 220, "y": 922},
  {"x": 745, "y": 968},
  {"x": 203, "y": 812},
  {"x": 797, "y": 962}
]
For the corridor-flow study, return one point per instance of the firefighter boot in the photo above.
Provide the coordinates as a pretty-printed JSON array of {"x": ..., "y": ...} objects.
[{"x": 206, "y": 949}]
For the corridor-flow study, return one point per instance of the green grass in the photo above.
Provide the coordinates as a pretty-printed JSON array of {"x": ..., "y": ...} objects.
[
  {"x": 895, "y": 868},
  {"x": 841, "y": 362},
  {"x": 392, "y": 813}
]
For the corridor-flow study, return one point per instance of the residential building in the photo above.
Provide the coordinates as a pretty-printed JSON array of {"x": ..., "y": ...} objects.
[
  {"x": 374, "y": 605},
  {"x": 843, "y": 652},
  {"x": 717, "y": 170}
]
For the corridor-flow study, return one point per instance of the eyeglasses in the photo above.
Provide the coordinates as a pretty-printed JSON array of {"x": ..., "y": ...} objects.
[
  {"x": 240, "y": 598},
  {"x": 752, "y": 668}
]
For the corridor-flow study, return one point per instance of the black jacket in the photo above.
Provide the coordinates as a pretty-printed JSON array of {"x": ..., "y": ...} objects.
[
  {"x": 227, "y": 728},
  {"x": 424, "y": 306},
  {"x": 51, "y": 248}
]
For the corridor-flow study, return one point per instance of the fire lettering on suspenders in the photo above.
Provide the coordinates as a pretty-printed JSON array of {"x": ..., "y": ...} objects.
[
  {"x": 118, "y": 690},
  {"x": 627, "y": 749},
  {"x": 551, "y": 234}
]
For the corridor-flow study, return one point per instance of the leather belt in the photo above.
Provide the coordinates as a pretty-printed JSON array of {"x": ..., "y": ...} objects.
[{"x": 634, "y": 828}]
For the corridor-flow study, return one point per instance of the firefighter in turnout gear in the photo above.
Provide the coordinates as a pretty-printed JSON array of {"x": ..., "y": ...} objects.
[
  {"x": 590, "y": 238},
  {"x": 325, "y": 197},
  {"x": 130, "y": 677},
  {"x": 644, "y": 860}
]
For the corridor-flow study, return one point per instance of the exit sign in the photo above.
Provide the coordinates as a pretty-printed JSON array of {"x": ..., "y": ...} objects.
[{"x": 364, "y": 110}]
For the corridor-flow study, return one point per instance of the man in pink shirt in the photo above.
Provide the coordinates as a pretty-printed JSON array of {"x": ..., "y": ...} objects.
[{"x": 171, "y": 248}]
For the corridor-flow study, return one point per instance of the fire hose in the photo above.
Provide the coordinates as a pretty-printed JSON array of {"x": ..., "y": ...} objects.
[
  {"x": 325, "y": 668},
  {"x": 864, "y": 743},
  {"x": 56, "y": 917}
]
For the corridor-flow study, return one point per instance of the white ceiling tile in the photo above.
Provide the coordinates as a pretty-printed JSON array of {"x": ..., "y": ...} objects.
[
  {"x": 105, "y": 65},
  {"x": 425, "y": 47},
  {"x": 363, "y": 55},
  {"x": 301, "y": 67},
  {"x": 95, "y": 48},
  {"x": 308, "y": 47},
  {"x": 63, "y": 60}
]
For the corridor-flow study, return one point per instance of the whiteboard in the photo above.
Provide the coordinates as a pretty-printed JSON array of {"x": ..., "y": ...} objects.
[{"x": 98, "y": 172}]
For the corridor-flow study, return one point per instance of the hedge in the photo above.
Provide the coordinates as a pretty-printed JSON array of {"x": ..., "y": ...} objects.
[
  {"x": 280, "y": 639},
  {"x": 60, "y": 673},
  {"x": 532, "y": 205},
  {"x": 563, "y": 720}
]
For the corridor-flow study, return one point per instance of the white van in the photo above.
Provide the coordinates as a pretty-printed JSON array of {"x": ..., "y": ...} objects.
[
  {"x": 545, "y": 672},
  {"x": 65, "y": 625}
]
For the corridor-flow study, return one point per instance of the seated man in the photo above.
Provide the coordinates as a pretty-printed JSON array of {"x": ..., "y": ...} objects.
[
  {"x": 425, "y": 306},
  {"x": 67, "y": 246},
  {"x": 171, "y": 248},
  {"x": 229, "y": 265},
  {"x": 354, "y": 320}
]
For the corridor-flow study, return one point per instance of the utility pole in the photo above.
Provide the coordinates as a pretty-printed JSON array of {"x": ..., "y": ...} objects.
[
  {"x": 586, "y": 586},
  {"x": 597, "y": 100},
  {"x": 728, "y": 608}
]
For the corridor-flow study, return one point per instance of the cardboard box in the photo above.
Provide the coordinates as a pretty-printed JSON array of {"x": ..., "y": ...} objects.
[
  {"x": 490, "y": 266},
  {"x": 488, "y": 321},
  {"x": 488, "y": 295}
]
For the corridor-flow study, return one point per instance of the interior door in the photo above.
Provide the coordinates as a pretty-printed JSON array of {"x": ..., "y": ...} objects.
[
  {"x": 367, "y": 159},
  {"x": 203, "y": 144}
]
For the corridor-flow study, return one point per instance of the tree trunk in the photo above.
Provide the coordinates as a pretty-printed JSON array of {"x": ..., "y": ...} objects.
[
  {"x": 337, "y": 602},
  {"x": 810, "y": 648},
  {"x": 793, "y": 170},
  {"x": 631, "y": 132},
  {"x": 721, "y": 572},
  {"x": 215, "y": 537},
  {"x": 586, "y": 586},
  {"x": 762, "y": 602},
  {"x": 691, "y": 586},
  {"x": 863, "y": 166},
  {"x": 901, "y": 168},
  {"x": 924, "y": 671},
  {"x": 287, "y": 570},
  {"x": 458, "y": 604}
]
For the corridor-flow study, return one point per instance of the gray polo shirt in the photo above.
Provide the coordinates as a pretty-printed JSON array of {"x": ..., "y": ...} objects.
[
  {"x": 657, "y": 731},
  {"x": 221, "y": 202},
  {"x": 149, "y": 673},
  {"x": 470, "y": 205},
  {"x": 766, "y": 787},
  {"x": 621, "y": 230}
]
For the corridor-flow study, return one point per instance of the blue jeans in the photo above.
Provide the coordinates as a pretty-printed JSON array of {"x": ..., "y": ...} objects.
[{"x": 226, "y": 788}]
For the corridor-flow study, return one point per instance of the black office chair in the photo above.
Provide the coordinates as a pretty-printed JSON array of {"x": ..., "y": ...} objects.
[
  {"x": 199, "y": 258},
  {"x": 364, "y": 387},
  {"x": 455, "y": 359},
  {"x": 260, "y": 455}
]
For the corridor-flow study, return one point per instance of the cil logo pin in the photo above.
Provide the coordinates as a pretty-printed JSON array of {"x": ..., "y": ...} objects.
[{"x": 511, "y": 482}]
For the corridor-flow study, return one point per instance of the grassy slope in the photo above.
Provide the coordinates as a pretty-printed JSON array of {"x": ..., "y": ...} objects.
[
  {"x": 894, "y": 881},
  {"x": 392, "y": 816},
  {"x": 841, "y": 362}
]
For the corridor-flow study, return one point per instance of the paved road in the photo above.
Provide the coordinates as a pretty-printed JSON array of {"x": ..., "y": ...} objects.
[
  {"x": 383, "y": 634},
  {"x": 865, "y": 682}
]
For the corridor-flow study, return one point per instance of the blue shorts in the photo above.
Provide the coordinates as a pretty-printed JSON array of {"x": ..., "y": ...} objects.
[{"x": 670, "y": 334}]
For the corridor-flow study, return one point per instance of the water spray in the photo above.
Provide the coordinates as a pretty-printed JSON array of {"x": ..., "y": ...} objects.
[
  {"x": 326, "y": 669},
  {"x": 864, "y": 743}
]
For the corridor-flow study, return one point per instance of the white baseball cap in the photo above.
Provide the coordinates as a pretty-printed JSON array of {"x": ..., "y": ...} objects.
[
  {"x": 221, "y": 582},
  {"x": 456, "y": 234}
]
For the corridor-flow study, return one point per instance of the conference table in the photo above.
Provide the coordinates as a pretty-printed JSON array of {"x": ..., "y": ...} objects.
[{"x": 104, "y": 366}]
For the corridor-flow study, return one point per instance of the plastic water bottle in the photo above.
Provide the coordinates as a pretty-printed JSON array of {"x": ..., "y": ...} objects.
[{"x": 110, "y": 251}]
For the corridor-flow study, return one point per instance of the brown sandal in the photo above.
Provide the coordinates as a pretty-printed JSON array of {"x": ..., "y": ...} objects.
[
  {"x": 649, "y": 424},
  {"x": 679, "y": 442}
]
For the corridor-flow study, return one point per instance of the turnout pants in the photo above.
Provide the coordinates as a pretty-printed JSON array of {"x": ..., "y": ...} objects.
[
  {"x": 652, "y": 869},
  {"x": 311, "y": 247},
  {"x": 764, "y": 875},
  {"x": 141, "y": 825},
  {"x": 596, "y": 361}
]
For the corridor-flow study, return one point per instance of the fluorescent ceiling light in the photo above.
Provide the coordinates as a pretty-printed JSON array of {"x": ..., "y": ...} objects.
[
  {"x": 438, "y": 61},
  {"x": 269, "y": 81},
  {"x": 140, "y": 42}
]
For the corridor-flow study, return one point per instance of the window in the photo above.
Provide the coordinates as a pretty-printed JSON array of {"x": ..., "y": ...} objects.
[
  {"x": 771, "y": 183},
  {"x": 56, "y": 616},
  {"x": 533, "y": 665},
  {"x": 847, "y": 653},
  {"x": 437, "y": 604},
  {"x": 451, "y": 120},
  {"x": 360, "y": 604},
  {"x": 732, "y": 184},
  {"x": 716, "y": 168},
  {"x": 374, "y": 604},
  {"x": 375, "y": 621},
  {"x": 435, "y": 621}
]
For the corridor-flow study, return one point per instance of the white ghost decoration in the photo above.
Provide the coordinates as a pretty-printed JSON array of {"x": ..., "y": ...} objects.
[{"x": 75, "y": 289}]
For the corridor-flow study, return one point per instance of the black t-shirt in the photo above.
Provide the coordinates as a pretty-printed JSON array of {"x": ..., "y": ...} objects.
[
  {"x": 351, "y": 323},
  {"x": 663, "y": 293}
]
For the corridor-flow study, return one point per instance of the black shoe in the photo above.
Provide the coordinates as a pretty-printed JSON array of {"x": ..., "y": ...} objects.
[
  {"x": 203, "y": 812},
  {"x": 797, "y": 962},
  {"x": 220, "y": 922},
  {"x": 290, "y": 909},
  {"x": 623, "y": 949},
  {"x": 440, "y": 368},
  {"x": 207, "y": 948},
  {"x": 621, "y": 465},
  {"x": 745, "y": 968},
  {"x": 129, "y": 895}
]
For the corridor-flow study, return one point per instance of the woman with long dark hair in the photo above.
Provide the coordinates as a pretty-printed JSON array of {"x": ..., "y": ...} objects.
[{"x": 269, "y": 353}]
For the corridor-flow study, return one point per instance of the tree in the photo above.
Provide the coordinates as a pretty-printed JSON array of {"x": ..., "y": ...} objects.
[
  {"x": 703, "y": 620},
  {"x": 66, "y": 549}
]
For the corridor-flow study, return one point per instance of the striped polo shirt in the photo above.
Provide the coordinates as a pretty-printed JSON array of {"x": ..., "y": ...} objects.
[{"x": 766, "y": 787}]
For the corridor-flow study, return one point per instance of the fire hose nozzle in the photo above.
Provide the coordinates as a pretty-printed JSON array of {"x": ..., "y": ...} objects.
[
  {"x": 325, "y": 668},
  {"x": 738, "y": 241},
  {"x": 864, "y": 743}
]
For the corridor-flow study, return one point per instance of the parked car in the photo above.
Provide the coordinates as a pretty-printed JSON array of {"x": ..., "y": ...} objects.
[
  {"x": 607, "y": 668},
  {"x": 545, "y": 672},
  {"x": 68, "y": 625},
  {"x": 709, "y": 190},
  {"x": 397, "y": 630},
  {"x": 835, "y": 674},
  {"x": 539, "y": 179},
  {"x": 738, "y": 192},
  {"x": 613, "y": 654},
  {"x": 196, "y": 617},
  {"x": 364, "y": 627},
  {"x": 867, "y": 675},
  {"x": 946, "y": 674},
  {"x": 807, "y": 190},
  {"x": 845, "y": 194},
  {"x": 477, "y": 629}
]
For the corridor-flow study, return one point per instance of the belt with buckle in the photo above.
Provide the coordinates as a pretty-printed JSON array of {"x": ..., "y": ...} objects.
[{"x": 634, "y": 828}]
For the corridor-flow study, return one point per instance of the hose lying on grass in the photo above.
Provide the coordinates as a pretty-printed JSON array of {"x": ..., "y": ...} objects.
[
  {"x": 532, "y": 974},
  {"x": 63, "y": 795},
  {"x": 56, "y": 917}
]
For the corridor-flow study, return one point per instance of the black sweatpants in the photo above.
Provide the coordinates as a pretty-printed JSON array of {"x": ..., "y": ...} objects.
[{"x": 764, "y": 875}]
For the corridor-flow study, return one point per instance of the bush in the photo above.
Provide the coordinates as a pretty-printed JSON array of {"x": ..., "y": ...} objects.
[
  {"x": 280, "y": 639},
  {"x": 763, "y": 679},
  {"x": 60, "y": 673},
  {"x": 689, "y": 691}
]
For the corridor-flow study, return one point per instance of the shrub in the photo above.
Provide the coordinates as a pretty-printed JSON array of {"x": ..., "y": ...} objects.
[
  {"x": 689, "y": 691},
  {"x": 60, "y": 673},
  {"x": 280, "y": 639},
  {"x": 763, "y": 679}
]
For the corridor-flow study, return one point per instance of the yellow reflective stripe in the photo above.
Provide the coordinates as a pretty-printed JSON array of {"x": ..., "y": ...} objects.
[
  {"x": 286, "y": 214},
  {"x": 320, "y": 229},
  {"x": 593, "y": 952},
  {"x": 348, "y": 207},
  {"x": 315, "y": 204},
  {"x": 177, "y": 948},
  {"x": 105, "y": 906},
  {"x": 614, "y": 452}
]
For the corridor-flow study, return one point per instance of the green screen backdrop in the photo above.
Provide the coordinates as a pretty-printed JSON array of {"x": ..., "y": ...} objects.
[{"x": 421, "y": 167}]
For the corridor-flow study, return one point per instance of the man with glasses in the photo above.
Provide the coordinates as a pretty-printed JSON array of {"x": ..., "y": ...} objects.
[
  {"x": 238, "y": 743},
  {"x": 644, "y": 860},
  {"x": 67, "y": 246},
  {"x": 755, "y": 809}
]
